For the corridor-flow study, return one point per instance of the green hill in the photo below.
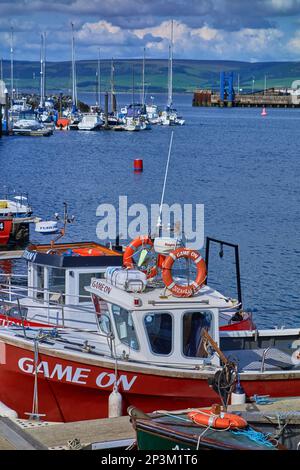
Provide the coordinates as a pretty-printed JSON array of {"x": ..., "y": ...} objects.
[{"x": 188, "y": 74}]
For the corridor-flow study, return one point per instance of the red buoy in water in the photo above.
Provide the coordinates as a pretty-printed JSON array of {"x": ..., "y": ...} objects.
[{"x": 138, "y": 164}]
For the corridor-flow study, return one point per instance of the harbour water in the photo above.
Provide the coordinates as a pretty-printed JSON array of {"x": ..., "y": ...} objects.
[{"x": 244, "y": 168}]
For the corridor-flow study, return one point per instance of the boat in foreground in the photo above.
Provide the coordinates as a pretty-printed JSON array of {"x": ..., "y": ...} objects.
[
  {"x": 179, "y": 430},
  {"x": 151, "y": 347}
]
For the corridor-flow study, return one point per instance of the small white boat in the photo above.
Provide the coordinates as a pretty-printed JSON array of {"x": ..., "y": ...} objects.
[
  {"x": 46, "y": 227},
  {"x": 152, "y": 113},
  {"x": 132, "y": 125},
  {"x": 30, "y": 127},
  {"x": 90, "y": 122}
]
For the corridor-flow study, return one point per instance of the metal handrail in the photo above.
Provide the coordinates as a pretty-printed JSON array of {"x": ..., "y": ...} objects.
[
  {"x": 36, "y": 290},
  {"x": 262, "y": 369},
  {"x": 13, "y": 275}
]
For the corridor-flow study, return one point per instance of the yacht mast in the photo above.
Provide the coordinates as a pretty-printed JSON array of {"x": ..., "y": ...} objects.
[
  {"x": 99, "y": 79},
  {"x": 170, "y": 84},
  {"x": 133, "y": 89},
  {"x": 74, "y": 87},
  {"x": 143, "y": 79},
  {"x": 12, "y": 63},
  {"x": 42, "y": 72},
  {"x": 112, "y": 85},
  {"x": 1, "y": 69}
]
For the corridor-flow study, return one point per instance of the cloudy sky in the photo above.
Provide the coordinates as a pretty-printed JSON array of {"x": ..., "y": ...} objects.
[{"x": 251, "y": 30}]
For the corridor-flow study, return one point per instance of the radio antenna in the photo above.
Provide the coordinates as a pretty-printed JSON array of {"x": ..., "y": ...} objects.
[{"x": 159, "y": 222}]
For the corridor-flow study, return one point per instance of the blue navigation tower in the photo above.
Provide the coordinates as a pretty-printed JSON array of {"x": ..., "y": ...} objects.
[{"x": 226, "y": 89}]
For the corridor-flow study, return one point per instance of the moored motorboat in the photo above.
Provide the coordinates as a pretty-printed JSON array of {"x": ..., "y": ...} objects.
[
  {"x": 62, "y": 123},
  {"x": 46, "y": 263},
  {"x": 153, "y": 348},
  {"x": 164, "y": 430},
  {"x": 53, "y": 292},
  {"x": 31, "y": 127},
  {"x": 90, "y": 122},
  {"x": 5, "y": 229},
  {"x": 15, "y": 217}
]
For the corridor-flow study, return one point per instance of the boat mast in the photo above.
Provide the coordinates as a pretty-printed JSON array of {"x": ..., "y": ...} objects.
[
  {"x": 99, "y": 80},
  {"x": 170, "y": 81},
  {"x": 74, "y": 87},
  {"x": 143, "y": 79},
  {"x": 1, "y": 69},
  {"x": 12, "y": 64},
  {"x": 112, "y": 85},
  {"x": 42, "y": 72},
  {"x": 133, "y": 91}
]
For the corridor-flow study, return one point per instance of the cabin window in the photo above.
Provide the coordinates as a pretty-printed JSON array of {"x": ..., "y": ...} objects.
[
  {"x": 40, "y": 284},
  {"x": 193, "y": 325},
  {"x": 85, "y": 280},
  {"x": 159, "y": 329},
  {"x": 125, "y": 327},
  {"x": 57, "y": 285},
  {"x": 102, "y": 314}
]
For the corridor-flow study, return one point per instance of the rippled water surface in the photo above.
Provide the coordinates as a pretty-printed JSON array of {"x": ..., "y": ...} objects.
[{"x": 244, "y": 168}]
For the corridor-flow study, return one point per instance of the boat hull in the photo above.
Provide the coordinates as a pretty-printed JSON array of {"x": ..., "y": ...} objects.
[
  {"x": 5, "y": 230},
  {"x": 74, "y": 388}
]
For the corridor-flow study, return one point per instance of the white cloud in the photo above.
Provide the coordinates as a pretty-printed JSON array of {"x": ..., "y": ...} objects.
[
  {"x": 214, "y": 43},
  {"x": 293, "y": 44}
]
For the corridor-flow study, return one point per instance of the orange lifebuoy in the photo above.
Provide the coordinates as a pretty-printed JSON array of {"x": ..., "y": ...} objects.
[
  {"x": 131, "y": 249},
  {"x": 218, "y": 421},
  {"x": 190, "y": 289}
]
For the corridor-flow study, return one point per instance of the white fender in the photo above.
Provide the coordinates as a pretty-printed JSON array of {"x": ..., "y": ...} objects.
[
  {"x": 115, "y": 404},
  {"x": 238, "y": 398},
  {"x": 296, "y": 357}
]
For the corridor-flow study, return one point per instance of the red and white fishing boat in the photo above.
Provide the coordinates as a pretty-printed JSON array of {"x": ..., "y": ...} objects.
[
  {"x": 15, "y": 217},
  {"x": 149, "y": 352},
  {"x": 6, "y": 224},
  {"x": 52, "y": 293}
]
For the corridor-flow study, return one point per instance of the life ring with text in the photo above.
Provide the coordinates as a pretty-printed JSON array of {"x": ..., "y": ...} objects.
[
  {"x": 218, "y": 421},
  {"x": 132, "y": 248},
  {"x": 190, "y": 289}
]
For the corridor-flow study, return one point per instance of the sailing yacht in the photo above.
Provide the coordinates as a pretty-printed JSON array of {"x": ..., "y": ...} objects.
[{"x": 169, "y": 116}]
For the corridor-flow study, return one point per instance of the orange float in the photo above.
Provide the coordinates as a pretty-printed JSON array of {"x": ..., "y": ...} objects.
[
  {"x": 177, "y": 289},
  {"x": 62, "y": 123},
  {"x": 132, "y": 248},
  {"x": 218, "y": 421},
  {"x": 88, "y": 251}
]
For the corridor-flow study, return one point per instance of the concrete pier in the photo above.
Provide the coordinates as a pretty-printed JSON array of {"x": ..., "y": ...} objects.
[
  {"x": 110, "y": 433},
  {"x": 271, "y": 99}
]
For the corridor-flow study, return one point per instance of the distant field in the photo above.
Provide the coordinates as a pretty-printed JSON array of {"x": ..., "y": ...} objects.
[{"x": 188, "y": 74}]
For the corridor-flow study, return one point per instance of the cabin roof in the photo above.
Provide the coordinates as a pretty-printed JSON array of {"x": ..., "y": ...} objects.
[
  {"x": 158, "y": 298},
  {"x": 73, "y": 255}
]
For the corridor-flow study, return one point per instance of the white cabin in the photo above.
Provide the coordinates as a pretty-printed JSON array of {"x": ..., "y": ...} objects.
[
  {"x": 56, "y": 279},
  {"x": 153, "y": 326}
]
